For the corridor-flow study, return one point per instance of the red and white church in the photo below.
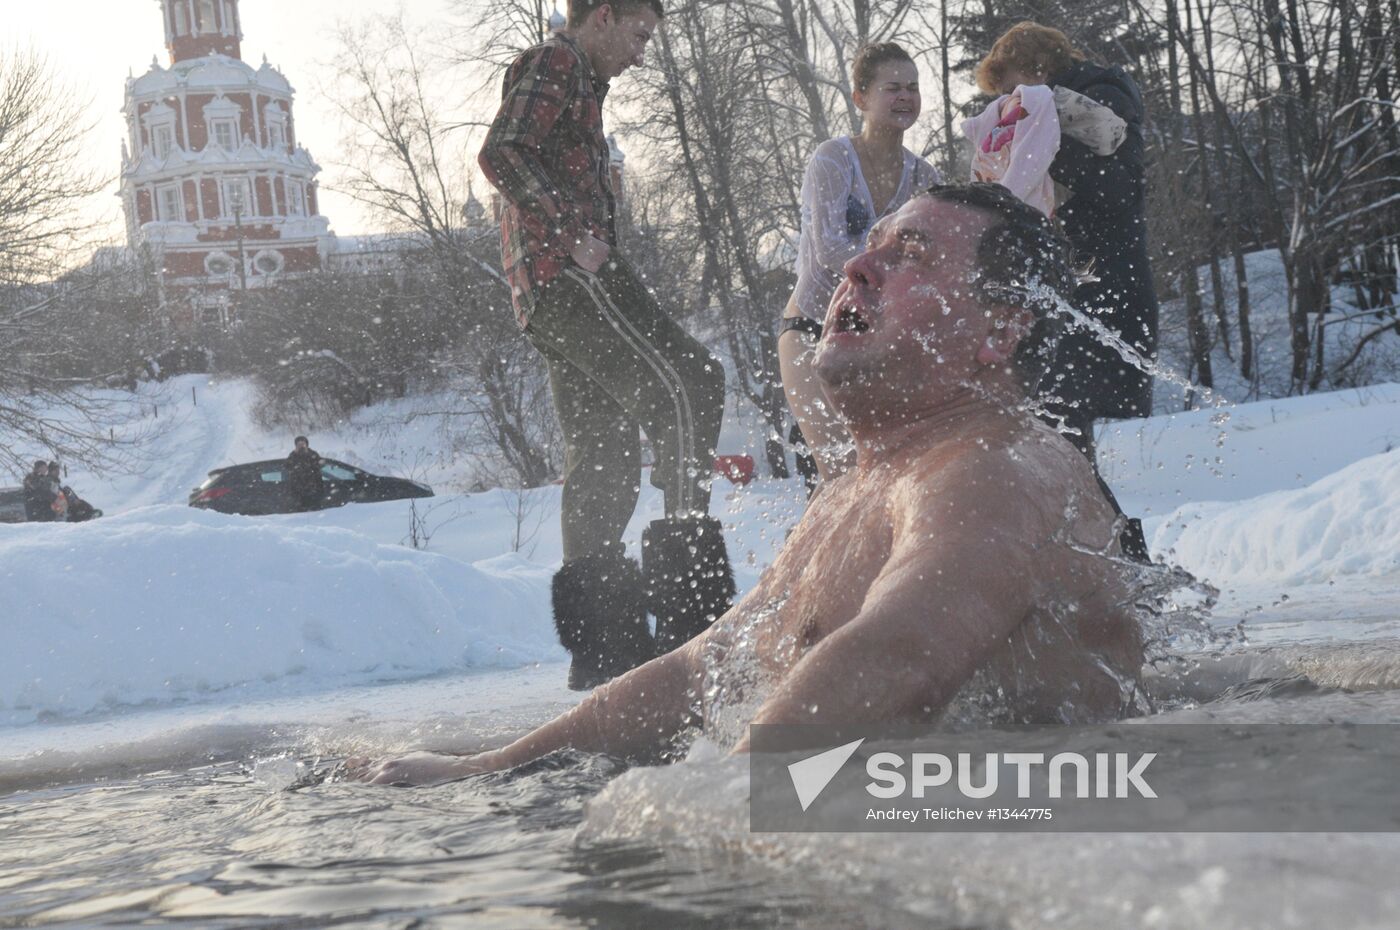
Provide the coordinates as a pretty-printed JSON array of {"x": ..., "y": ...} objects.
[{"x": 213, "y": 181}]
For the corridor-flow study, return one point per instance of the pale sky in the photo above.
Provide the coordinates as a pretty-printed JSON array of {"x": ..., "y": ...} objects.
[{"x": 93, "y": 44}]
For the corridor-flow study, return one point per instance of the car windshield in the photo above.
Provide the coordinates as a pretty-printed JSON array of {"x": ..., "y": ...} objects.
[{"x": 338, "y": 472}]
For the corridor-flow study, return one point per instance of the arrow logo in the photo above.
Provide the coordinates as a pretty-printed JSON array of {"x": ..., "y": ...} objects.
[{"x": 811, "y": 776}]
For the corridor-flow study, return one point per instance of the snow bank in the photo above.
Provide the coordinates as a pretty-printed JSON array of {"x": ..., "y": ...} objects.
[
  {"x": 170, "y": 603},
  {"x": 1245, "y": 450},
  {"x": 1347, "y": 524}
]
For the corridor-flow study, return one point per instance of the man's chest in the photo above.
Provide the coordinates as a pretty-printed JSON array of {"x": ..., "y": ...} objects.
[{"x": 822, "y": 580}]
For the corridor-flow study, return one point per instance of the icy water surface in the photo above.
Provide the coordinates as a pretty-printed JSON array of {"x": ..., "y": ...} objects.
[
  {"x": 226, "y": 846},
  {"x": 257, "y": 839}
]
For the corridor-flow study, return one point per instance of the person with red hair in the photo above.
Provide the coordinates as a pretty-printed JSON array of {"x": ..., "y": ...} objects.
[{"x": 1104, "y": 215}]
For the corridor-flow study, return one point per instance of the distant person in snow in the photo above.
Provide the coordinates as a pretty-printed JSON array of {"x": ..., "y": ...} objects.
[
  {"x": 304, "y": 476},
  {"x": 616, "y": 360},
  {"x": 38, "y": 494},
  {"x": 59, "y": 503},
  {"x": 1104, "y": 216}
]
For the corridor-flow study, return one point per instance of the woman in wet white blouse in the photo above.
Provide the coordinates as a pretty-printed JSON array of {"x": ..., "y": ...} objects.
[{"x": 851, "y": 182}]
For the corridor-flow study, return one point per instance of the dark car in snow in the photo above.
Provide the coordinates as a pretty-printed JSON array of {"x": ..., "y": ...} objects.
[
  {"x": 12, "y": 505},
  {"x": 261, "y": 488}
]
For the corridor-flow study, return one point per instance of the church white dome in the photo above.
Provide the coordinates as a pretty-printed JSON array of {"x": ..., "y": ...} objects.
[{"x": 212, "y": 73}]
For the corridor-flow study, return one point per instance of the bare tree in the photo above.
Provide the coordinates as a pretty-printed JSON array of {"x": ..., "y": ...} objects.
[
  {"x": 1305, "y": 90},
  {"x": 44, "y": 408},
  {"x": 43, "y": 128},
  {"x": 407, "y": 160}
]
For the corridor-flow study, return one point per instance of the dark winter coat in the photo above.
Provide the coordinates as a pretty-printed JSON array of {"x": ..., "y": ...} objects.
[
  {"x": 304, "y": 476},
  {"x": 38, "y": 498},
  {"x": 1105, "y": 219}
]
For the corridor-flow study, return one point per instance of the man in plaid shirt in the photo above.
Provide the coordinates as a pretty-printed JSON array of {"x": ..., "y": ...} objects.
[{"x": 616, "y": 361}]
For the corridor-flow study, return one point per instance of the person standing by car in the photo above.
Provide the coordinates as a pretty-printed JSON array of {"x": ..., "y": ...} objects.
[
  {"x": 304, "y": 477},
  {"x": 58, "y": 501},
  {"x": 38, "y": 494}
]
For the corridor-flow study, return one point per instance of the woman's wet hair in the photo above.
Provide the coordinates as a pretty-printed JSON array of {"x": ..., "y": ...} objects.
[
  {"x": 1029, "y": 48},
  {"x": 869, "y": 59},
  {"x": 579, "y": 10},
  {"x": 1023, "y": 260}
]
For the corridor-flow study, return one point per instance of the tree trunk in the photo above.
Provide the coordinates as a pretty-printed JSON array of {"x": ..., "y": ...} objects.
[
  {"x": 950, "y": 145},
  {"x": 1212, "y": 237},
  {"x": 1198, "y": 334},
  {"x": 799, "y": 59},
  {"x": 1303, "y": 268}
]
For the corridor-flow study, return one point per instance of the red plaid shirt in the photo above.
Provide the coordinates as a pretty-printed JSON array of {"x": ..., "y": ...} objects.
[{"x": 547, "y": 156}]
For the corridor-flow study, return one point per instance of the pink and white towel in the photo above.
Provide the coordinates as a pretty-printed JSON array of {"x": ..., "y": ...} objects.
[{"x": 1015, "y": 139}]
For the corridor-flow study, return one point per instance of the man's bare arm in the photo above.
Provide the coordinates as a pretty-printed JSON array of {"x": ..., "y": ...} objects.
[
  {"x": 959, "y": 580},
  {"x": 635, "y": 714}
]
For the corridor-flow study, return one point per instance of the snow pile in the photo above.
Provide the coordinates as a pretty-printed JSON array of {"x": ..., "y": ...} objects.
[
  {"x": 1347, "y": 524},
  {"x": 170, "y": 603},
  {"x": 1242, "y": 451}
]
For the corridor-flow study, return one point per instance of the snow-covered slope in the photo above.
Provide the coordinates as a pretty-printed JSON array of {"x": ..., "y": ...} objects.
[
  {"x": 1241, "y": 451},
  {"x": 1377, "y": 361},
  {"x": 169, "y": 603},
  {"x": 1344, "y": 525}
]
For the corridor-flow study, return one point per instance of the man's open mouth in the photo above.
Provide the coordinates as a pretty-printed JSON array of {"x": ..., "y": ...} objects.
[{"x": 850, "y": 319}]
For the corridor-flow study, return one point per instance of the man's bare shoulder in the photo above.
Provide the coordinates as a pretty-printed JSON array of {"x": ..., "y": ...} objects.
[{"x": 1018, "y": 479}]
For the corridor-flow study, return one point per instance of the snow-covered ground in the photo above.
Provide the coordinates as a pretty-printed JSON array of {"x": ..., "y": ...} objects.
[{"x": 1291, "y": 507}]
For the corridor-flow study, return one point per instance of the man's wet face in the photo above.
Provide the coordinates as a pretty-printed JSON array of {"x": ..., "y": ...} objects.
[{"x": 907, "y": 304}]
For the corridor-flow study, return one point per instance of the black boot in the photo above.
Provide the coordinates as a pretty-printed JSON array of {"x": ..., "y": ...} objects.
[
  {"x": 601, "y": 617},
  {"x": 1134, "y": 543},
  {"x": 1131, "y": 540},
  {"x": 689, "y": 582},
  {"x": 806, "y": 464}
]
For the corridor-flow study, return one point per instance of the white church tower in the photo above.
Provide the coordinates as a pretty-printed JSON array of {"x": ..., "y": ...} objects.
[{"x": 213, "y": 180}]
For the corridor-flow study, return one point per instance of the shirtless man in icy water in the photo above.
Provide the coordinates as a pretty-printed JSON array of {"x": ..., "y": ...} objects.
[{"x": 971, "y": 539}]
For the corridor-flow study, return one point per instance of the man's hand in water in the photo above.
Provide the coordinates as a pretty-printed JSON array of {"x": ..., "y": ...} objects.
[{"x": 420, "y": 768}]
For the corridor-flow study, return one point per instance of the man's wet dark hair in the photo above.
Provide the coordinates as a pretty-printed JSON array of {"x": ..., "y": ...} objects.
[
  {"x": 301, "y": 439},
  {"x": 579, "y": 10},
  {"x": 1023, "y": 260}
]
